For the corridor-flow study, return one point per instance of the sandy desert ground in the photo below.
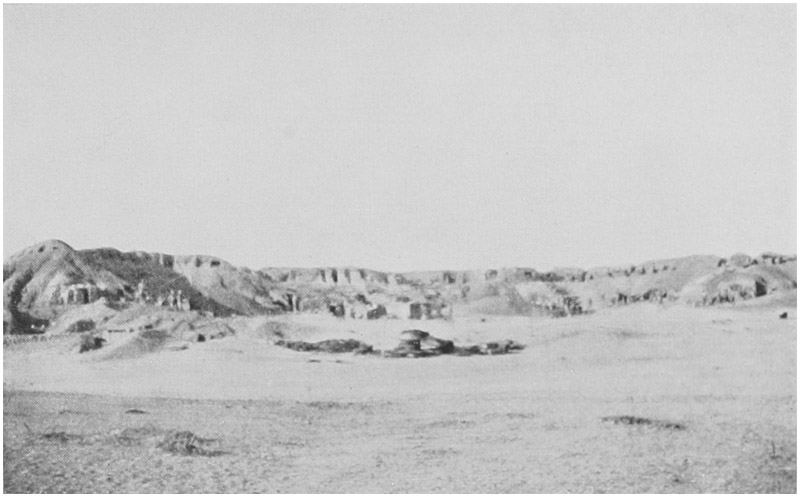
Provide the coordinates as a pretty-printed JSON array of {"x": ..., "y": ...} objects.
[{"x": 286, "y": 421}]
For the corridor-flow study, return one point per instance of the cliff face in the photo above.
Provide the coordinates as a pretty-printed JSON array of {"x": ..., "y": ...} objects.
[
  {"x": 240, "y": 289},
  {"x": 49, "y": 278},
  {"x": 330, "y": 276}
]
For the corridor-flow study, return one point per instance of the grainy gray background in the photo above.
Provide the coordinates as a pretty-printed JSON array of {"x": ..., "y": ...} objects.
[{"x": 402, "y": 137}]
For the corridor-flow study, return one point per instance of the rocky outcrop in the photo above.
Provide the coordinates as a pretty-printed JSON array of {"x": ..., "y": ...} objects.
[
  {"x": 40, "y": 280},
  {"x": 152, "y": 278},
  {"x": 241, "y": 289}
]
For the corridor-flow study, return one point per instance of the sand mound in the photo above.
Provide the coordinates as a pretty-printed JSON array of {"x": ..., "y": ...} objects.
[
  {"x": 137, "y": 345},
  {"x": 734, "y": 283},
  {"x": 144, "y": 329},
  {"x": 140, "y": 317},
  {"x": 98, "y": 312},
  {"x": 212, "y": 329}
]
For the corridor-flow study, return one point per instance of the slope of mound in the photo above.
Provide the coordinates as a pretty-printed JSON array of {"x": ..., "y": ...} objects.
[
  {"x": 784, "y": 300},
  {"x": 133, "y": 346},
  {"x": 732, "y": 283},
  {"x": 143, "y": 329},
  {"x": 83, "y": 318},
  {"x": 156, "y": 272},
  {"x": 779, "y": 277},
  {"x": 665, "y": 275},
  {"x": 240, "y": 289},
  {"x": 33, "y": 277},
  {"x": 137, "y": 317}
]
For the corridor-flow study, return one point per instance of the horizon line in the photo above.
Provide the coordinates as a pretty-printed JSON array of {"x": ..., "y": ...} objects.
[{"x": 354, "y": 266}]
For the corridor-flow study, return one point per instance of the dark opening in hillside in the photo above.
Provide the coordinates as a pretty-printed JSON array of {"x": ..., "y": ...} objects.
[{"x": 761, "y": 288}]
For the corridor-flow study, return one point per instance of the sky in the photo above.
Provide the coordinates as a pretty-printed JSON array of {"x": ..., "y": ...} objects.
[{"x": 402, "y": 137}]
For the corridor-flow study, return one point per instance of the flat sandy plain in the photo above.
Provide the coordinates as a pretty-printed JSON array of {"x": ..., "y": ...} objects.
[{"x": 530, "y": 422}]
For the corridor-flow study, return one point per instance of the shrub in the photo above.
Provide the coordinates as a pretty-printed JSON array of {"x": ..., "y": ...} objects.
[
  {"x": 90, "y": 342},
  {"x": 186, "y": 443}
]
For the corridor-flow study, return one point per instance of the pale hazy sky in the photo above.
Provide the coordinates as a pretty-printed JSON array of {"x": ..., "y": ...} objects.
[{"x": 402, "y": 137}]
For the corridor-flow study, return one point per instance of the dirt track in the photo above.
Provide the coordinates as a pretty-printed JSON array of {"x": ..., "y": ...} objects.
[{"x": 528, "y": 422}]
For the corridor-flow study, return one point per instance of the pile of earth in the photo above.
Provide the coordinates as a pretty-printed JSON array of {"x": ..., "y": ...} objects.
[{"x": 134, "y": 330}]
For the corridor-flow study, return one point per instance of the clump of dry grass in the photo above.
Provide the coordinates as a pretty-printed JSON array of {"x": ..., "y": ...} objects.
[
  {"x": 186, "y": 443},
  {"x": 635, "y": 420},
  {"x": 331, "y": 405},
  {"x": 60, "y": 436}
]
